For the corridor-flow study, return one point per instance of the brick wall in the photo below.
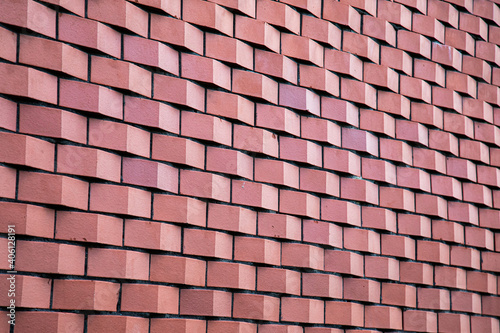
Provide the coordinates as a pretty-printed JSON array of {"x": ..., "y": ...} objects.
[{"x": 299, "y": 166}]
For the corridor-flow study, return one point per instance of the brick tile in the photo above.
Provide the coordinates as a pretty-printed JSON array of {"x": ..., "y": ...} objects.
[
  {"x": 118, "y": 13},
  {"x": 414, "y": 225},
  {"x": 379, "y": 122},
  {"x": 302, "y": 255},
  {"x": 382, "y": 268},
  {"x": 340, "y": 211},
  {"x": 255, "y": 139},
  {"x": 416, "y": 273},
  {"x": 378, "y": 218},
  {"x": 429, "y": 159},
  {"x": 9, "y": 117},
  {"x": 479, "y": 237},
  {"x": 230, "y": 106},
  {"x": 30, "y": 291},
  {"x": 172, "y": 7},
  {"x": 481, "y": 282},
  {"x": 28, "y": 321},
  {"x": 9, "y": 50},
  {"x": 344, "y": 313},
  {"x": 152, "y": 235},
  {"x": 393, "y": 103},
  {"x": 450, "y": 277},
  {"x": 205, "y": 185},
  {"x": 31, "y": 15},
  {"x": 231, "y": 218},
  {"x": 343, "y": 14},
  {"x": 433, "y": 252},
  {"x": 476, "y": 67},
  {"x": 279, "y": 14},
  {"x": 319, "y": 79},
  {"x": 276, "y": 172},
  {"x": 397, "y": 246},
  {"x": 302, "y": 310},
  {"x": 277, "y": 118},
  {"x": 369, "y": 6},
  {"x": 383, "y": 317},
  {"x": 448, "y": 231},
  {"x": 433, "y": 299},
  {"x": 299, "y": 150},
  {"x": 490, "y": 305},
  {"x": 254, "y": 194},
  {"x": 229, "y": 50},
  {"x": 396, "y": 59},
  {"x": 29, "y": 219},
  {"x": 361, "y": 240},
  {"x": 453, "y": 322},
  {"x": 320, "y": 30},
  {"x": 343, "y": 62},
  {"x": 179, "y": 91},
  {"x": 207, "y": 243},
  {"x": 208, "y": 15},
  {"x": 321, "y": 285},
  {"x": 244, "y": 7},
  {"x": 299, "y": 98},
  {"x": 276, "y": 65},
  {"x": 379, "y": 29},
  {"x": 120, "y": 200},
  {"x": 151, "y": 53},
  {"x": 397, "y": 198},
  {"x": 230, "y": 326},
  {"x": 26, "y": 150},
  {"x": 420, "y": 321},
  {"x": 399, "y": 294},
  {"x": 359, "y": 190},
  {"x": 339, "y": 110},
  {"x": 254, "y": 85},
  {"x": 278, "y": 280},
  {"x": 229, "y": 161},
  {"x": 106, "y": 323},
  {"x": 428, "y": 26},
  {"x": 395, "y": 13},
  {"x": 187, "y": 210},
  {"x": 205, "y": 70},
  {"x": 484, "y": 324}
]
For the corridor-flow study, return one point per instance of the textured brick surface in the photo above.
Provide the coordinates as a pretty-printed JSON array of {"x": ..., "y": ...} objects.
[{"x": 298, "y": 166}]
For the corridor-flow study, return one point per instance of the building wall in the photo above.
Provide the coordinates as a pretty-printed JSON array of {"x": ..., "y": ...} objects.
[{"x": 301, "y": 166}]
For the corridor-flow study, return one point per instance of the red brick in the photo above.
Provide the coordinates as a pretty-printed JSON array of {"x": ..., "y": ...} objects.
[
  {"x": 88, "y": 227},
  {"x": 433, "y": 252},
  {"x": 395, "y": 150},
  {"x": 279, "y": 14},
  {"x": 205, "y": 185},
  {"x": 208, "y": 15},
  {"x": 55, "y": 56},
  {"x": 179, "y": 91},
  {"x": 244, "y": 7},
  {"x": 379, "y": 122},
  {"x": 489, "y": 93},
  {"x": 416, "y": 273},
  {"x": 178, "y": 270},
  {"x": 447, "y": 231},
  {"x": 361, "y": 290},
  {"x": 118, "y": 13},
  {"x": 50, "y": 258},
  {"x": 489, "y": 218},
  {"x": 302, "y": 255},
  {"x": 110, "y": 323},
  {"x": 302, "y": 48},
  {"x": 319, "y": 181},
  {"x": 382, "y": 268},
  {"x": 490, "y": 305},
  {"x": 229, "y": 50},
  {"x": 484, "y": 324},
  {"x": 379, "y": 29},
  {"x": 279, "y": 226},
  {"x": 344, "y": 313},
  {"x": 137, "y": 297},
  {"x": 339, "y": 110},
  {"x": 344, "y": 262},
  {"x": 414, "y": 225},
  {"x": 397, "y": 59},
  {"x": 299, "y": 150},
  {"x": 229, "y": 161},
  {"x": 231, "y": 218},
  {"x": 420, "y": 321},
  {"x": 381, "y": 76},
  {"x": 481, "y": 282},
  {"x": 120, "y": 200},
  {"x": 413, "y": 43},
  {"x": 370, "y": 6},
  {"x": 477, "y": 194},
  {"x": 53, "y": 123},
  {"x": 158, "y": 115},
  {"x": 9, "y": 39},
  {"x": 446, "y": 186},
  {"x": 150, "y": 174},
  {"x": 450, "y": 277},
  {"x": 276, "y": 172},
  {"x": 378, "y": 218},
  {"x": 443, "y": 141},
  {"x": 393, "y": 103},
  {"x": 30, "y": 321},
  {"x": 319, "y": 79},
  {"x": 278, "y": 280},
  {"x": 9, "y": 116},
  {"x": 453, "y": 322},
  {"x": 434, "y": 299},
  {"x": 299, "y": 98},
  {"x": 230, "y": 326},
  {"x": 207, "y": 243},
  {"x": 479, "y": 237},
  {"x": 28, "y": 219},
  {"x": 399, "y": 295},
  {"x": 85, "y": 295},
  {"x": 255, "y": 140},
  {"x": 252, "y": 249},
  {"x": 398, "y": 246},
  {"x": 397, "y": 198},
  {"x": 29, "y": 291},
  {"x": 428, "y": 26},
  {"x": 340, "y": 211},
  {"x": 465, "y": 257},
  {"x": 255, "y": 85},
  {"x": 150, "y": 53},
  {"x": 359, "y": 190},
  {"x": 257, "y": 32},
  {"x": 476, "y": 67},
  {"x": 490, "y": 261},
  {"x": 53, "y": 189},
  {"x": 443, "y": 11},
  {"x": 276, "y": 65},
  {"x": 343, "y": 62},
  {"x": 394, "y": 13},
  {"x": 257, "y": 307},
  {"x": 205, "y": 70},
  {"x": 321, "y": 285},
  {"x": 312, "y": 6},
  {"x": 342, "y": 160},
  {"x": 278, "y": 118},
  {"x": 179, "y": 209},
  {"x": 152, "y": 235},
  {"x": 26, "y": 150},
  {"x": 487, "y": 133},
  {"x": 118, "y": 264},
  {"x": 231, "y": 275},
  {"x": 31, "y": 15},
  {"x": 383, "y": 317},
  {"x": 446, "y": 55},
  {"x": 343, "y": 14},
  {"x": 361, "y": 240},
  {"x": 412, "y": 178},
  {"x": 230, "y": 106},
  {"x": 302, "y": 310},
  {"x": 177, "y": 32},
  {"x": 172, "y": 7},
  {"x": 429, "y": 71},
  {"x": 360, "y": 140},
  {"x": 269, "y": 328},
  {"x": 90, "y": 97},
  {"x": 119, "y": 136},
  {"x": 205, "y": 127},
  {"x": 460, "y": 40},
  {"x": 429, "y": 159},
  {"x": 465, "y": 302},
  {"x": 254, "y": 194},
  {"x": 360, "y": 45},
  {"x": 299, "y": 203},
  {"x": 320, "y": 30},
  {"x": 180, "y": 150},
  {"x": 120, "y": 74}
]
